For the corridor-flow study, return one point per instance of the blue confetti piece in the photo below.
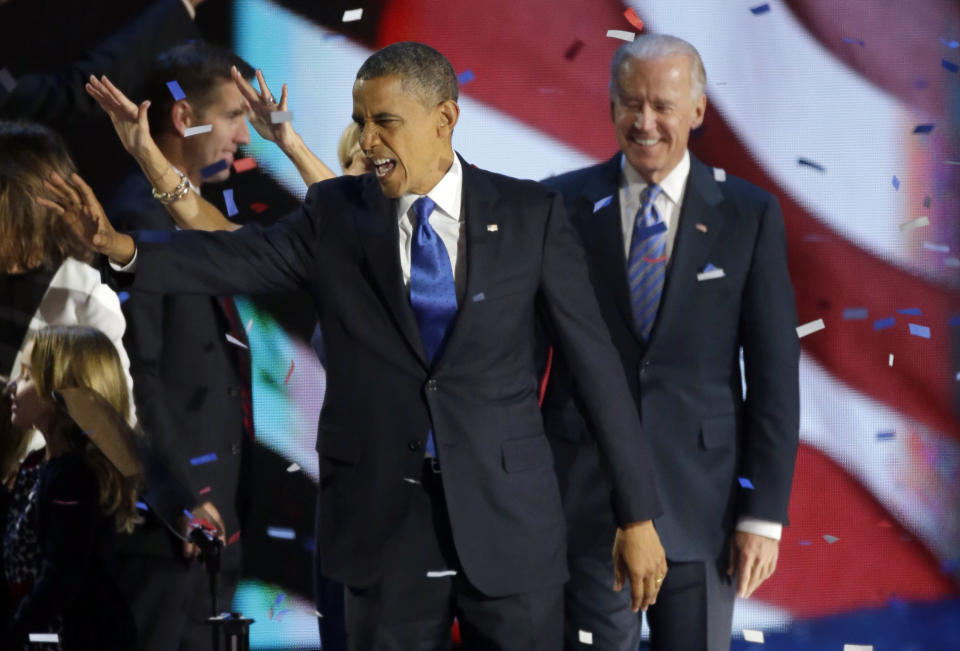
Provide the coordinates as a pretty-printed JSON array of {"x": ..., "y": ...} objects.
[
  {"x": 953, "y": 45},
  {"x": 805, "y": 543},
  {"x": 760, "y": 9},
  {"x": 923, "y": 128},
  {"x": 282, "y": 533},
  {"x": 214, "y": 168},
  {"x": 207, "y": 458},
  {"x": 602, "y": 203},
  {"x": 143, "y": 506},
  {"x": 926, "y": 202},
  {"x": 745, "y": 483},
  {"x": 188, "y": 514},
  {"x": 228, "y": 200},
  {"x": 883, "y": 324},
  {"x": 912, "y": 311},
  {"x": 950, "y": 565},
  {"x": 847, "y": 39},
  {"x": 176, "y": 91},
  {"x": 950, "y": 65},
  {"x": 810, "y": 163},
  {"x": 279, "y": 599},
  {"x": 885, "y": 436},
  {"x": 855, "y": 313},
  {"x": 478, "y": 297},
  {"x": 465, "y": 77},
  {"x": 896, "y": 182},
  {"x": 954, "y": 321},
  {"x": 919, "y": 331},
  {"x": 123, "y": 296}
]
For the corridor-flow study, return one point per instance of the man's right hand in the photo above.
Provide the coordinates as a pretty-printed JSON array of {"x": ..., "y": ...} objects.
[
  {"x": 639, "y": 557},
  {"x": 84, "y": 215},
  {"x": 208, "y": 512}
]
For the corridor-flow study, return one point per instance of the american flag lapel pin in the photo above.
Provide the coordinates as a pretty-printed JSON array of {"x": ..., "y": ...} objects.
[{"x": 702, "y": 228}]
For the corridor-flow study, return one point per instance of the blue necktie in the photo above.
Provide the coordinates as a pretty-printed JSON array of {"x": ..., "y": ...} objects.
[
  {"x": 647, "y": 264},
  {"x": 433, "y": 294}
]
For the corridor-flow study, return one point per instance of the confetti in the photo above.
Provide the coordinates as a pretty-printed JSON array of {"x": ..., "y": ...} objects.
[
  {"x": 123, "y": 297},
  {"x": 585, "y": 637},
  {"x": 228, "y": 201},
  {"x": 953, "y": 45},
  {"x": 855, "y": 313},
  {"x": 813, "y": 237},
  {"x": 244, "y": 164},
  {"x": 573, "y": 50},
  {"x": 950, "y": 65},
  {"x": 885, "y": 436},
  {"x": 896, "y": 182},
  {"x": 633, "y": 19},
  {"x": 719, "y": 175},
  {"x": 236, "y": 342},
  {"x": 249, "y": 325},
  {"x": 50, "y": 638},
  {"x": 857, "y": 647},
  {"x": 143, "y": 506},
  {"x": 293, "y": 467},
  {"x": 952, "y": 262},
  {"x": 602, "y": 203},
  {"x": 923, "y": 128},
  {"x": 883, "y": 324},
  {"x": 439, "y": 574},
  {"x": 7, "y": 81},
  {"x": 805, "y": 543},
  {"x": 493, "y": 228},
  {"x": 760, "y": 9},
  {"x": 465, "y": 77},
  {"x": 66, "y": 502},
  {"x": 912, "y": 311},
  {"x": 410, "y": 480},
  {"x": 919, "y": 330},
  {"x": 279, "y": 599},
  {"x": 289, "y": 373},
  {"x": 810, "y": 328},
  {"x": 258, "y": 207},
  {"x": 276, "y": 117},
  {"x": 919, "y": 222},
  {"x": 204, "y": 490},
  {"x": 890, "y": 361},
  {"x": 621, "y": 34},
  {"x": 745, "y": 483},
  {"x": 192, "y": 131},
  {"x": 810, "y": 163},
  {"x": 939, "y": 248},
  {"x": 848, "y": 39},
  {"x": 214, "y": 168},
  {"x": 752, "y": 636},
  {"x": 830, "y": 539},
  {"x": 926, "y": 202},
  {"x": 281, "y": 532},
  {"x": 352, "y": 15},
  {"x": 234, "y": 538},
  {"x": 176, "y": 91},
  {"x": 206, "y": 458}
]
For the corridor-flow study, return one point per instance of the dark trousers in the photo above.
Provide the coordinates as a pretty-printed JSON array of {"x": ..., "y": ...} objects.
[
  {"x": 413, "y": 606},
  {"x": 170, "y": 599}
]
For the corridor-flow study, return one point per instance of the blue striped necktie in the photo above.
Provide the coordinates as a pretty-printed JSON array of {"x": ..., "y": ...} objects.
[
  {"x": 647, "y": 264},
  {"x": 433, "y": 294}
]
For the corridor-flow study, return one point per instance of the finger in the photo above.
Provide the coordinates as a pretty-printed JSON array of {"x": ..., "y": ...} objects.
[
  {"x": 66, "y": 192},
  {"x": 746, "y": 574},
  {"x": 142, "y": 114},
  {"x": 244, "y": 86},
  {"x": 617, "y": 573},
  {"x": 265, "y": 93},
  {"x": 89, "y": 198},
  {"x": 732, "y": 563},
  {"x": 119, "y": 97},
  {"x": 49, "y": 204},
  {"x": 650, "y": 589},
  {"x": 637, "y": 591},
  {"x": 283, "y": 98}
]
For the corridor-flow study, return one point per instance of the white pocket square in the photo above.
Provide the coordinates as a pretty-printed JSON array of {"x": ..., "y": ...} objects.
[{"x": 710, "y": 274}]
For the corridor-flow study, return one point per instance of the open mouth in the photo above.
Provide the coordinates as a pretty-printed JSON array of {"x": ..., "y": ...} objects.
[
  {"x": 644, "y": 142},
  {"x": 383, "y": 166}
]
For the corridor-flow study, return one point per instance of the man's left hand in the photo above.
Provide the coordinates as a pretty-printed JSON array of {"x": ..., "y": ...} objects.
[{"x": 753, "y": 559}]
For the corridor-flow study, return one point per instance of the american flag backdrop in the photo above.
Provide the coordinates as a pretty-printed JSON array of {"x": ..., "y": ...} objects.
[{"x": 849, "y": 111}]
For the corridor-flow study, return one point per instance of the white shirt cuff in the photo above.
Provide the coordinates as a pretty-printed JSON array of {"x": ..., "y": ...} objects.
[
  {"x": 129, "y": 268},
  {"x": 766, "y": 528},
  {"x": 191, "y": 11}
]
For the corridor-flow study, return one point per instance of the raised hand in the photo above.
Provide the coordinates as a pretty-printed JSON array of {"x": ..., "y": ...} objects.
[
  {"x": 260, "y": 105},
  {"x": 129, "y": 120},
  {"x": 83, "y": 214}
]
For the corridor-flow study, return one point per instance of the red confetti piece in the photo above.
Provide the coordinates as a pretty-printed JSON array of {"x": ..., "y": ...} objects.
[
  {"x": 573, "y": 50},
  {"x": 662, "y": 258},
  {"x": 234, "y": 538},
  {"x": 244, "y": 164},
  {"x": 634, "y": 19},
  {"x": 204, "y": 490},
  {"x": 258, "y": 207},
  {"x": 289, "y": 373},
  {"x": 66, "y": 502}
]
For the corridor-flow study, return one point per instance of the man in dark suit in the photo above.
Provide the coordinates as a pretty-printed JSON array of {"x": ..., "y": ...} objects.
[
  {"x": 437, "y": 489},
  {"x": 689, "y": 267},
  {"x": 189, "y": 362}
]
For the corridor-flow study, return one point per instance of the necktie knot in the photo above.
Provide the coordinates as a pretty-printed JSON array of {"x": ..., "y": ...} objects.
[
  {"x": 649, "y": 194},
  {"x": 422, "y": 208}
]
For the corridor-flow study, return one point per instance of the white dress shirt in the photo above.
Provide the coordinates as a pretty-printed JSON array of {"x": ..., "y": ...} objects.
[
  {"x": 446, "y": 219},
  {"x": 668, "y": 204}
]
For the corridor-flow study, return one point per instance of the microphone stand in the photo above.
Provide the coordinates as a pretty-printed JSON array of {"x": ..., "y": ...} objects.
[{"x": 232, "y": 629}]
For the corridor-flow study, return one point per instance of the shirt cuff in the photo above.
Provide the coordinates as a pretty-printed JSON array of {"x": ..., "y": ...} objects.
[
  {"x": 128, "y": 268},
  {"x": 766, "y": 528},
  {"x": 190, "y": 9}
]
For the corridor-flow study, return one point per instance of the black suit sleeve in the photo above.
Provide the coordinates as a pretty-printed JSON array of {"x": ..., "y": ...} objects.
[
  {"x": 597, "y": 371},
  {"x": 771, "y": 352},
  {"x": 59, "y": 99}
]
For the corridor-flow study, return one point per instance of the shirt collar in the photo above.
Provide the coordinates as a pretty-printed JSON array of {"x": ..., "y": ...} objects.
[
  {"x": 672, "y": 185},
  {"x": 447, "y": 193}
]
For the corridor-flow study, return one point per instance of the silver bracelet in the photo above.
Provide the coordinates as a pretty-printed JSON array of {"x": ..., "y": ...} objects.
[{"x": 178, "y": 192}]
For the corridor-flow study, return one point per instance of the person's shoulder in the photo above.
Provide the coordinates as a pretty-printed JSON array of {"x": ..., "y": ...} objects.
[
  {"x": 507, "y": 186},
  {"x": 338, "y": 188},
  {"x": 574, "y": 180},
  {"x": 69, "y": 480}
]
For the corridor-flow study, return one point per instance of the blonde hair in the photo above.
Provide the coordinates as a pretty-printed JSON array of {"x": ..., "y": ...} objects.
[
  {"x": 348, "y": 146},
  {"x": 65, "y": 357},
  {"x": 32, "y": 236}
]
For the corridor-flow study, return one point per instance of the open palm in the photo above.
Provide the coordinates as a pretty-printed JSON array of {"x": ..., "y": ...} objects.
[{"x": 129, "y": 120}]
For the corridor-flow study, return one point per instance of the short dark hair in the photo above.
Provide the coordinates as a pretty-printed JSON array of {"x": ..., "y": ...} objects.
[
  {"x": 422, "y": 70},
  {"x": 197, "y": 66}
]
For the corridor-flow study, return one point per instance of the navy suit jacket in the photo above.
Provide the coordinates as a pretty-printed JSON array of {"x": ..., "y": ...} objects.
[
  {"x": 479, "y": 396},
  {"x": 686, "y": 380}
]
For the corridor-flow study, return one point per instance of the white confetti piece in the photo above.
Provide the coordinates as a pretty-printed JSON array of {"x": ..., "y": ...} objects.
[
  {"x": 830, "y": 539},
  {"x": 585, "y": 637},
  {"x": 293, "y": 467},
  {"x": 439, "y": 574},
  {"x": 713, "y": 274},
  {"x": 939, "y": 248},
  {"x": 752, "y": 636},
  {"x": 249, "y": 325},
  {"x": 719, "y": 175},
  {"x": 352, "y": 15},
  {"x": 52, "y": 638},
  {"x": 952, "y": 262},
  {"x": 621, "y": 34},
  {"x": 410, "y": 480},
  {"x": 810, "y": 328},
  {"x": 7, "y": 80},
  {"x": 236, "y": 342},
  {"x": 891, "y": 360},
  {"x": 192, "y": 131},
  {"x": 276, "y": 117},
  {"x": 857, "y": 647},
  {"x": 914, "y": 223}
]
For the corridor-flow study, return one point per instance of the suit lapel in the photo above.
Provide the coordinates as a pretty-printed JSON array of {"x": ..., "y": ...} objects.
[
  {"x": 379, "y": 235},
  {"x": 700, "y": 223},
  {"x": 602, "y": 234}
]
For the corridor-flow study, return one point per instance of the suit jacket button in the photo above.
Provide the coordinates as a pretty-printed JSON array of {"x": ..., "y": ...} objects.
[
  {"x": 414, "y": 446},
  {"x": 431, "y": 385}
]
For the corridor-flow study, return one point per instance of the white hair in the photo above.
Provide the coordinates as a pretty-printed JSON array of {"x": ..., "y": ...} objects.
[{"x": 646, "y": 47}]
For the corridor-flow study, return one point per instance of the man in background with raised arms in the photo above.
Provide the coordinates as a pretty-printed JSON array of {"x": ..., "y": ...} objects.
[
  {"x": 437, "y": 489},
  {"x": 689, "y": 265}
]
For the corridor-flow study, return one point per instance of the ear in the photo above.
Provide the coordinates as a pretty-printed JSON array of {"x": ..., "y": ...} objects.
[
  {"x": 699, "y": 111},
  {"x": 182, "y": 116},
  {"x": 448, "y": 112}
]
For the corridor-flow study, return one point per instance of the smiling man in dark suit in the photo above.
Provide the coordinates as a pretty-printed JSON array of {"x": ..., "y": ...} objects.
[
  {"x": 689, "y": 266},
  {"x": 437, "y": 488}
]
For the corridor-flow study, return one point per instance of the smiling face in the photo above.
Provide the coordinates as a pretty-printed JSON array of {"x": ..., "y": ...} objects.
[
  {"x": 225, "y": 112},
  {"x": 407, "y": 141},
  {"x": 653, "y": 111}
]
